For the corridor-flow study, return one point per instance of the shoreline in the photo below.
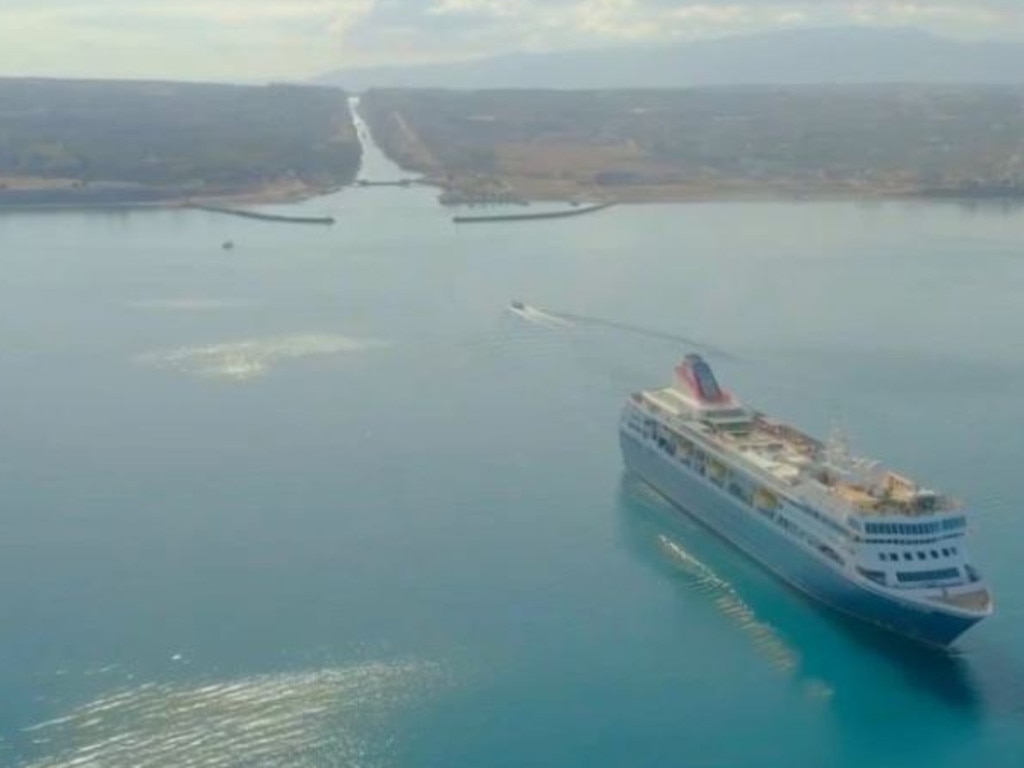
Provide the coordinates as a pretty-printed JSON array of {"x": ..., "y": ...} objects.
[
  {"x": 116, "y": 198},
  {"x": 551, "y": 190},
  {"x": 532, "y": 190}
]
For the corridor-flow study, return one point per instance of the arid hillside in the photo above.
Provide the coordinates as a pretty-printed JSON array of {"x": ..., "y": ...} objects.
[{"x": 795, "y": 141}]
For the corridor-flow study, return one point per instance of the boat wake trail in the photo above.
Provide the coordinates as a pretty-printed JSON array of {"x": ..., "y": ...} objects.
[
  {"x": 539, "y": 317},
  {"x": 554, "y": 319}
]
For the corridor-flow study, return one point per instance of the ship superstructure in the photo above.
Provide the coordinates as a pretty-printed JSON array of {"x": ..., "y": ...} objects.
[{"x": 846, "y": 531}]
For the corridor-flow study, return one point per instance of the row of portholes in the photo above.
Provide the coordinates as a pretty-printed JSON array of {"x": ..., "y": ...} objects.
[{"x": 894, "y": 557}]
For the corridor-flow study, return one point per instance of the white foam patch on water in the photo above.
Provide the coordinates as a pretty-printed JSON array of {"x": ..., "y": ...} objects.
[
  {"x": 730, "y": 604},
  {"x": 251, "y": 358},
  {"x": 188, "y": 305},
  {"x": 818, "y": 690},
  {"x": 341, "y": 716}
]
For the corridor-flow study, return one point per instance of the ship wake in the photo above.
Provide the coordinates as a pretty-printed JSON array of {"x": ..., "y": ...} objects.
[
  {"x": 730, "y": 604},
  {"x": 538, "y": 316},
  {"x": 553, "y": 319}
]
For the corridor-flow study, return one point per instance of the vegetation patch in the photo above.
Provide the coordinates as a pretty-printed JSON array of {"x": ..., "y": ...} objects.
[{"x": 147, "y": 140}]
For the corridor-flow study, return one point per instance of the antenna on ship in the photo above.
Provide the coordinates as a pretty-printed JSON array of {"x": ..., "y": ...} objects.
[{"x": 837, "y": 447}]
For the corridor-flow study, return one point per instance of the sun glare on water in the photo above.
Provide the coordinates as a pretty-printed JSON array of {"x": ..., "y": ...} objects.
[
  {"x": 339, "y": 716},
  {"x": 252, "y": 358}
]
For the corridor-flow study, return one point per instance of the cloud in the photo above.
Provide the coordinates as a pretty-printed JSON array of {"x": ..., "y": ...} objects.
[
  {"x": 253, "y": 40},
  {"x": 248, "y": 40},
  {"x": 433, "y": 29},
  {"x": 965, "y": 13}
]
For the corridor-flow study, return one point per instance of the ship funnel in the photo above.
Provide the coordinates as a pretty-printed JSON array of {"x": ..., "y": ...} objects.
[{"x": 694, "y": 375}]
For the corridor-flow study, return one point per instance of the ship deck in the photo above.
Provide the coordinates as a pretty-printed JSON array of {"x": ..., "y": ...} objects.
[
  {"x": 977, "y": 600},
  {"x": 798, "y": 460}
]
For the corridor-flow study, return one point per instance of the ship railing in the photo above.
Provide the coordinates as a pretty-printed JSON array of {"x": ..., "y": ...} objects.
[
  {"x": 793, "y": 491},
  {"x": 976, "y": 599},
  {"x": 832, "y": 515},
  {"x": 819, "y": 495}
]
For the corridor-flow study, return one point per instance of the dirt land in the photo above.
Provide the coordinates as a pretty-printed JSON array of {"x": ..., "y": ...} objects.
[
  {"x": 31, "y": 192},
  {"x": 864, "y": 142}
]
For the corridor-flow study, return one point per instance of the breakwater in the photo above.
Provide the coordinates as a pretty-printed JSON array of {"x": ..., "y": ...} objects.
[
  {"x": 387, "y": 183},
  {"x": 536, "y": 216},
  {"x": 271, "y": 217}
]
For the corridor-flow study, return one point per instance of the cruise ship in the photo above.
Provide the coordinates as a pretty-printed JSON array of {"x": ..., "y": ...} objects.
[{"x": 846, "y": 531}]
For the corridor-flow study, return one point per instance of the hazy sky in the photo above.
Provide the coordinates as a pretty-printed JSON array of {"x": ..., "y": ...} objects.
[{"x": 261, "y": 39}]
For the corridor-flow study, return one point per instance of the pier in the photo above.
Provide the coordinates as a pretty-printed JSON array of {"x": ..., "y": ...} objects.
[
  {"x": 387, "y": 183},
  {"x": 536, "y": 216}
]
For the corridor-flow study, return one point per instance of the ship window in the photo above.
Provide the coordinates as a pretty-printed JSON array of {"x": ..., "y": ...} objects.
[
  {"x": 908, "y": 556},
  {"x": 946, "y": 552},
  {"x": 939, "y": 575},
  {"x": 921, "y": 555},
  {"x": 934, "y": 554},
  {"x": 876, "y": 576},
  {"x": 740, "y": 492}
]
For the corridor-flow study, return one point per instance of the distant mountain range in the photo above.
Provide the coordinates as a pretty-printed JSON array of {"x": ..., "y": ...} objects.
[{"x": 793, "y": 57}]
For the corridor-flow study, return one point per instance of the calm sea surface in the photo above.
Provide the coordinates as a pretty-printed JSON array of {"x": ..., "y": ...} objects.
[{"x": 321, "y": 500}]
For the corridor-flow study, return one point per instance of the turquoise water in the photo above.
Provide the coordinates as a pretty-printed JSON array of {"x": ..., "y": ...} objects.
[{"x": 321, "y": 500}]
